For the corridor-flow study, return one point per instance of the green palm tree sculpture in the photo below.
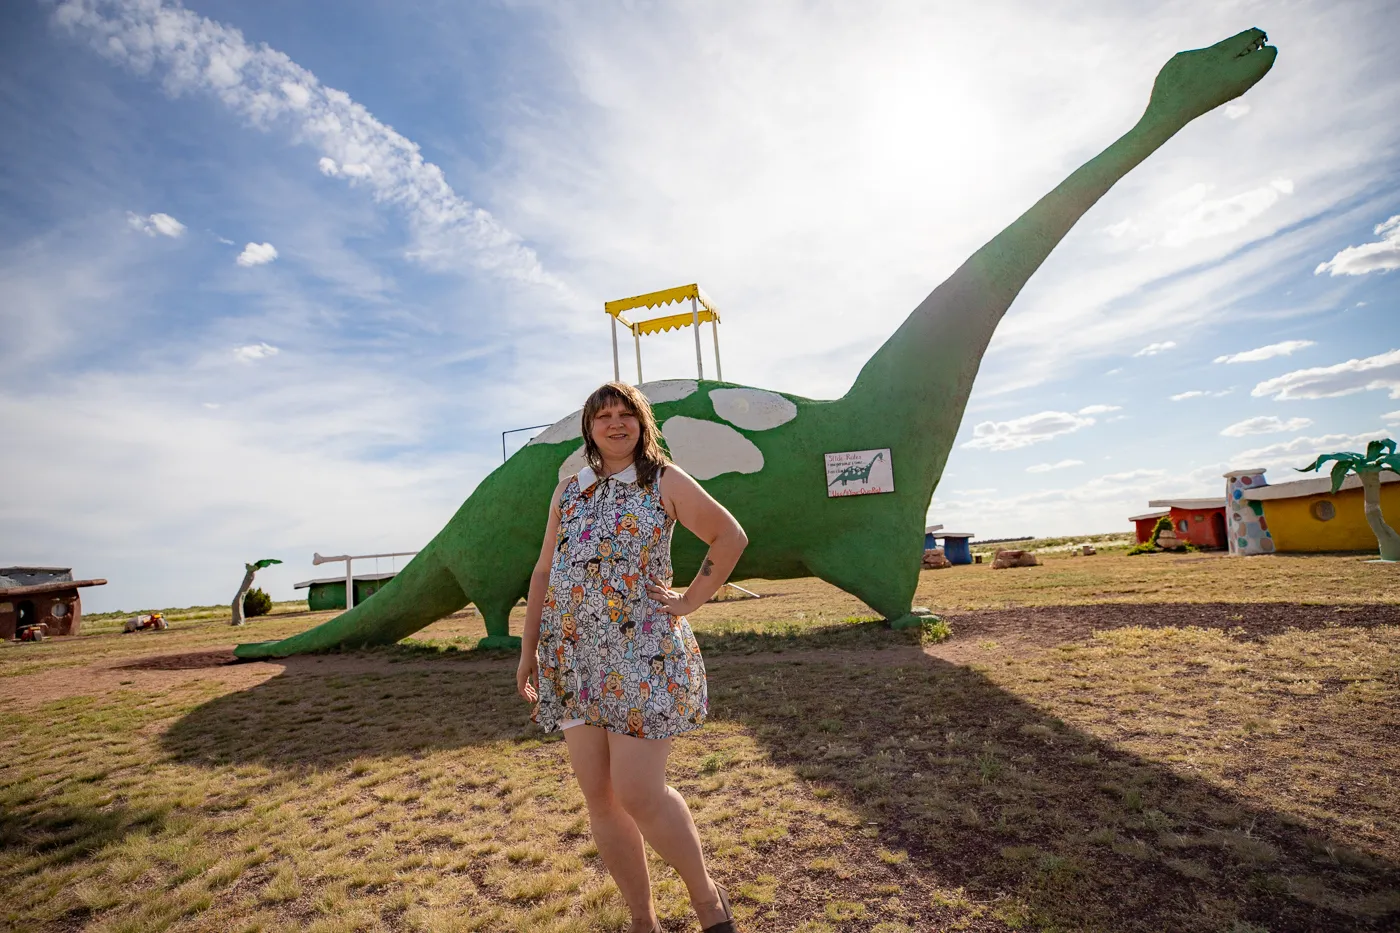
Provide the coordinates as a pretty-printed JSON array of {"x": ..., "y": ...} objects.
[
  {"x": 1380, "y": 455},
  {"x": 246, "y": 585}
]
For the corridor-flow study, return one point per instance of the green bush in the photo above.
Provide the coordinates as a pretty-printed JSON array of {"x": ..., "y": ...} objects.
[
  {"x": 933, "y": 630},
  {"x": 256, "y": 603},
  {"x": 1147, "y": 547}
]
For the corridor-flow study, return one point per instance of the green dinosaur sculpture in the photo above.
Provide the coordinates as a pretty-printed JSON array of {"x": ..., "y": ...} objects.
[{"x": 761, "y": 453}]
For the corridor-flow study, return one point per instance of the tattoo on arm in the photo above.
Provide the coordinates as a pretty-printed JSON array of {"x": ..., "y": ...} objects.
[{"x": 705, "y": 567}]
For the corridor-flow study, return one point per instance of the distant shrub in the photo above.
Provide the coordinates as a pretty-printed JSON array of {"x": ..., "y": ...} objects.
[{"x": 256, "y": 603}]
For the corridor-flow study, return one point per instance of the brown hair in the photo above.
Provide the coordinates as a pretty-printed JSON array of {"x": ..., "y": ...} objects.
[{"x": 649, "y": 457}]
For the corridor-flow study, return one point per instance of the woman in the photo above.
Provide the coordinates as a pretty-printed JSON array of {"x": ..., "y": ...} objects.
[{"x": 607, "y": 653}]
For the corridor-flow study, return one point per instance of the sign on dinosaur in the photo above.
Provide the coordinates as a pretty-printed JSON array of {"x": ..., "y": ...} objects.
[
  {"x": 759, "y": 452},
  {"x": 859, "y": 472}
]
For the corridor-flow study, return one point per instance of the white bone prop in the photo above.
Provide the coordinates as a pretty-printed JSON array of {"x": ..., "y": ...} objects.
[{"x": 317, "y": 559}]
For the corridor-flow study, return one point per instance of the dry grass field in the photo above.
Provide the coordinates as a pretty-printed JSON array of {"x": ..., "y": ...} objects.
[{"x": 1185, "y": 743}]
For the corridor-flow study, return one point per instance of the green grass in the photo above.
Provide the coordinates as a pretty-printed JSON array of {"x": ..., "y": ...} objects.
[{"x": 1133, "y": 779}]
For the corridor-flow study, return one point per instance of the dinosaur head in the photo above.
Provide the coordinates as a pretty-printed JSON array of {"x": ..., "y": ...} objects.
[{"x": 1198, "y": 81}]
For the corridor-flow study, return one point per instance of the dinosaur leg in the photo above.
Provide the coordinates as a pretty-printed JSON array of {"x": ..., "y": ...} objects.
[
  {"x": 876, "y": 567},
  {"x": 495, "y": 612},
  {"x": 423, "y": 592}
]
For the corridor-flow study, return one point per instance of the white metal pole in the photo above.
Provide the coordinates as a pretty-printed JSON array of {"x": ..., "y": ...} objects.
[
  {"x": 695, "y": 313},
  {"x": 714, "y": 328},
  {"x": 637, "y": 339},
  {"x": 617, "y": 373},
  {"x": 349, "y": 585}
]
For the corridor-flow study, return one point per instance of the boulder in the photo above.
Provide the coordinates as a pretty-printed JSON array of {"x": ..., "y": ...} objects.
[
  {"x": 935, "y": 559},
  {"x": 1014, "y": 558},
  {"x": 1089, "y": 550}
]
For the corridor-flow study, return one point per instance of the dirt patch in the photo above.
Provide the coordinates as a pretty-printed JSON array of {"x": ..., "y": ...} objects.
[
  {"x": 163, "y": 671},
  {"x": 194, "y": 661},
  {"x": 1005, "y": 632},
  {"x": 1032, "y": 628}
]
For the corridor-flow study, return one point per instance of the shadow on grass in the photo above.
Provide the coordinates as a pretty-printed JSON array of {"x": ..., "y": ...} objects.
[
  {"x": 984, "y": 790},
  {"x": 49, "y": 837}
]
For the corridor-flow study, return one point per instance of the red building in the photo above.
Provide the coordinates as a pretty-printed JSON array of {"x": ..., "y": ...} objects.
[
  {"x": 1147, "y": 521},
  {"x": 1196, "y": 521}
]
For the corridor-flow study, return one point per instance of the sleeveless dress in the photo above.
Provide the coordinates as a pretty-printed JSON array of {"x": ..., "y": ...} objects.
[{"x": 609, "y": 654}]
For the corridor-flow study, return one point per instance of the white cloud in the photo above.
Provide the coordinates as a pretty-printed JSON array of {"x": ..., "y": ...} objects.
[
  {"x": 1382, "y": 255},
  {"x": 1286, "y": 348},
  {"x": 1200, "y": 393},
  {"x": 255, "y": 351},
  {"x": 1200, "y": 218},
  {"x": 293, "y": 466},
  {"x": 1300, "y": 451},
  {"x": 329, "y": 167},
  {"x": 1099, "y": 409},
  {"x": 1152, "y": 349},
  {"x": 1120, "y": 229},
  {"x": 156, "y": 224},
  {"x": 1264, "y": 424},
  {"x": 1096, "y": 505},
  {"x": 1391, "y": 418},
  {"x": 1059, "y": 465},
  {"x": 1375, "y": 372},
  {"x": 1022, "y": 432},
  {"x": 256, "y": 254},
  {"x": 264, "y": 86},
  {"x": 1236, "y": 109}
]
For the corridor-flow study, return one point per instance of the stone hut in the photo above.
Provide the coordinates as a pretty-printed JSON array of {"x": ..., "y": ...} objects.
[{"x": 34, "y": 595}]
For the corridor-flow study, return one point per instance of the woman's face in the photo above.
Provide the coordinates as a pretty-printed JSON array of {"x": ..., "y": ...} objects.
[{"x": 616, "y": 430}]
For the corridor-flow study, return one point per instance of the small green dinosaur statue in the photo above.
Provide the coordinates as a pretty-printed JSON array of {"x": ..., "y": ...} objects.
[{"x": 761, "y": 453}]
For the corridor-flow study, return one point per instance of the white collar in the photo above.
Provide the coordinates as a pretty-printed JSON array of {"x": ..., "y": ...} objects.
[{"x": 586, "y": 476}]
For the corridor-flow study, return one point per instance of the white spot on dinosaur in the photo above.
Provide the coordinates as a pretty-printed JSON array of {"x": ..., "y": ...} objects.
[
  {"x": 576, "y": 461},
  {"x": 752, "y": 409},
  {"x": 705, "y": 449},
  {"x": 664, "y": 390},
  {"x": 565, "y": 429},
  {"x": 668, "y": 390}
]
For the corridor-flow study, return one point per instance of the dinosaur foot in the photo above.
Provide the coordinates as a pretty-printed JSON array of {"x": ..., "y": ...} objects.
[
  {"x": 499, "y": 643},
  {"x": 916, "y": 617}
]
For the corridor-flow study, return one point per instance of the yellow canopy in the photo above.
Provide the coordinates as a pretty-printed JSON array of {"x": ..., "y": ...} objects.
[
  {"x": 671, "y": 322},
  {"x": 702, "y": 310},
  {"x": 664, "y": 297}
]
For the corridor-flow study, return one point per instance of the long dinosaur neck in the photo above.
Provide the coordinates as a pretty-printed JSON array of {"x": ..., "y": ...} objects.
[{"x": 924, "y": 372}]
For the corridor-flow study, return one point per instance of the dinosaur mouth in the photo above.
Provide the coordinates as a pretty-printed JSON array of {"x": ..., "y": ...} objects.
[{"x": 1255, "y": 44}]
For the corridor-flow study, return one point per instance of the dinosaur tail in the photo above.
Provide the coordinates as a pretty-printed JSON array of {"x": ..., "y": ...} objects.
[{"x": 423, "y": 592}]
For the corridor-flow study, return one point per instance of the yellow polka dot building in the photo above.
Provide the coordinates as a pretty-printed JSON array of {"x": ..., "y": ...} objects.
[{"x": 1302, "y": 516}]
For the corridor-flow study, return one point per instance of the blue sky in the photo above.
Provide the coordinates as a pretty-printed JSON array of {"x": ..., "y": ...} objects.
[{"x": 274, "y": 277}]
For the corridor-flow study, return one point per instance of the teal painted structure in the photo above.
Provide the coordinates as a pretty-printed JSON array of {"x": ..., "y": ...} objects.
[{"x": 327, "y": 595}]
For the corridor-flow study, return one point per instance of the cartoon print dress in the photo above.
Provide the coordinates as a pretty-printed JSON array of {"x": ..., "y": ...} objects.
[{"x": 609, "y": 654}]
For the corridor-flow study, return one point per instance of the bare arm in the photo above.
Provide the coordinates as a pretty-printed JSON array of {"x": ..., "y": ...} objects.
[
  {"x": 534, "y": 603},
  {"x": 709, "y": 521}
]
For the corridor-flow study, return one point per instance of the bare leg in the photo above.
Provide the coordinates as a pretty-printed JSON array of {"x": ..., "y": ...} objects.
[
  {"x": 616, "y": 835},
  {"x": 639, "y": 782}
]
